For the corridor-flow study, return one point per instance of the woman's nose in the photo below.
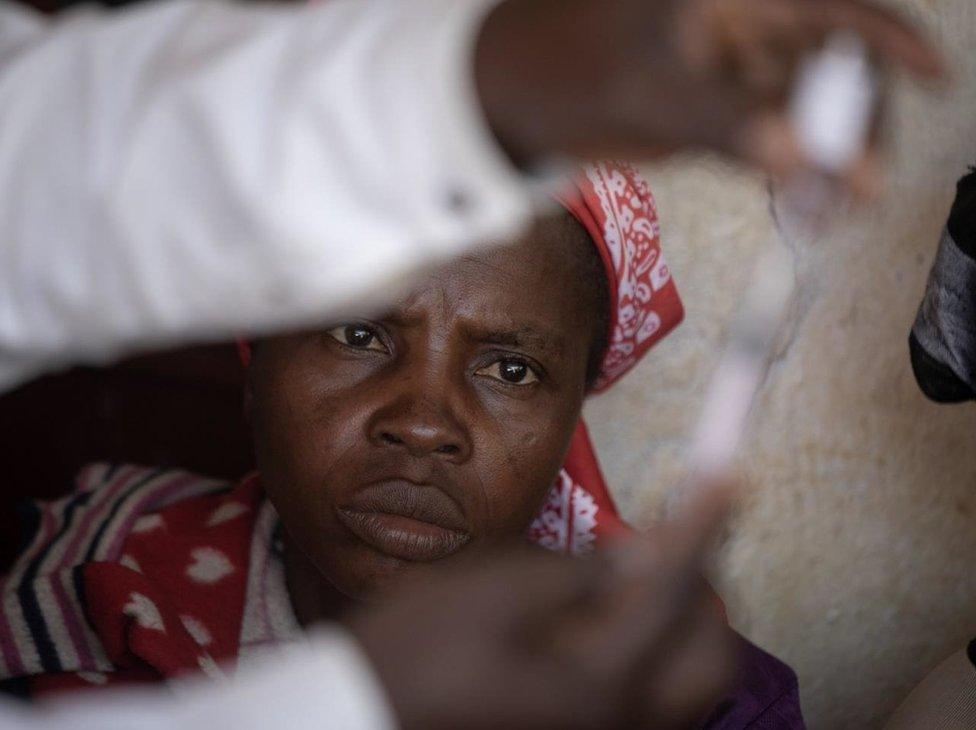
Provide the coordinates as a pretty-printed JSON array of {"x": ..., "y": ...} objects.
[{"x": 422, "y": 428}]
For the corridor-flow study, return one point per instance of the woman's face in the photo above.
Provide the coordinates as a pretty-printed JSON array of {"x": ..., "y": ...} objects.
[{"x": 403, "y": 439}]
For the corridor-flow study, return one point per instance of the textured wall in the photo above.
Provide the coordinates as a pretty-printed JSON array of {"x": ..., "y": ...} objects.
[{"x": 853, "y": 557}]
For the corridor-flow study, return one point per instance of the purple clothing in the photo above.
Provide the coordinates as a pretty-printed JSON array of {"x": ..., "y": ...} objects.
[{"x": 766, "y": 696}]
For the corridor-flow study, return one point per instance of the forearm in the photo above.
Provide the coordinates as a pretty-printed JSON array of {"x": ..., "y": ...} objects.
[
  {"x": 324, "y": 684},
  {"x": 190, "y": 170}
]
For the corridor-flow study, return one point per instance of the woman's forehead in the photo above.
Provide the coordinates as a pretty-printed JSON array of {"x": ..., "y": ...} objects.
[
  {"x": 526, "y": 294},
  {"x": 535, "y": 283}
]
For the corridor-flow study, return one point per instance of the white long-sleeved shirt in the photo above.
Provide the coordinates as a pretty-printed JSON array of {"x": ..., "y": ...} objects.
[
  {"x": 190, "y": 170},
  {"x": 193, "y": 170},
  {"x": 324, "y": 684}
]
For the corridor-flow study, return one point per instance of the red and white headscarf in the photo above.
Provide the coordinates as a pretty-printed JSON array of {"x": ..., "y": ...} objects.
[{"x": 614, "y": 204}]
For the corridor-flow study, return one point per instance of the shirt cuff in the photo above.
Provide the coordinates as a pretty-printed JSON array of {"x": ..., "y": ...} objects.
[
  {"x": 486, "y": 191},
  {"x": 321, "y": 684}
]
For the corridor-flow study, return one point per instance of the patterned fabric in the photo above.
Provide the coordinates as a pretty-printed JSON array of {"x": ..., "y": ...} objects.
[
  {"x": 578, "y": 509},
  {"x": 170, "y": 573},
  {"x": 41, "y": 625},
  {"x": 142, "y": 574},
  {"x": 945, "y": 699},
  {"x": 615, "y": 206},
  {"x": 269, "y": 620},
  {"x": 943, "y": 338}
]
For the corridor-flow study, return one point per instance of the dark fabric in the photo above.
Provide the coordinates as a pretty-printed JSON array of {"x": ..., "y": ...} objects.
[
  {"x": 942, "y": 344},
  {"x": 971, "y": 652},
  {"x": 17, "y": 688},
  {"x": 935, "y": 378},
  {"x": 766, "y": 695},
  {"x": 180, "y": 408},
  {"x": 962, "y": 218}
]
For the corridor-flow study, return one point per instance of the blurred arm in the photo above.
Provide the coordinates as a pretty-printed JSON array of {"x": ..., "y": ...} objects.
[
  {"x": 192, "y": 170},
  {"x": 324, "y": 684}
]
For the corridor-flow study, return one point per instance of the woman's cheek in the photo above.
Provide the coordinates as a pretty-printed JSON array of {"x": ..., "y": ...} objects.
[
  {"x": 302, "y": 424},
  {"x": 533, "y": 461}
]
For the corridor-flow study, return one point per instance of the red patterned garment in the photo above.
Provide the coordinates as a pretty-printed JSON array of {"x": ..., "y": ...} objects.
[
  {"x": 147, "y": 574},
  {"x": 143, "y": 574}
]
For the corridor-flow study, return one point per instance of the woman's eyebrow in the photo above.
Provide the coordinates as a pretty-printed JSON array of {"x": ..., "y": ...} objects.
[
  {"x": 523, "y": 337},
  {"x": 400, "y": 318}
]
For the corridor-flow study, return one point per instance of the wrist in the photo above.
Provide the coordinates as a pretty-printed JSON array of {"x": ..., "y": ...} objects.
[{"x": 536, "y": 78}]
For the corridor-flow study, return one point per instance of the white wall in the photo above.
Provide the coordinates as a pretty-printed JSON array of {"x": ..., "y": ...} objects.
[{"x": 853, "y": 559}]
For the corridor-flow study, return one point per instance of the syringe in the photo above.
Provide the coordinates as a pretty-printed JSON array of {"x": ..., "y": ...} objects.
[{"x": 832, "y": 111}]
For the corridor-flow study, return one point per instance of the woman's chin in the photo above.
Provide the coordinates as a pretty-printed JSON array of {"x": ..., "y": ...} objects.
[
  {"x": 376, "y": 575},
  {"x": 368, "y": 578}
]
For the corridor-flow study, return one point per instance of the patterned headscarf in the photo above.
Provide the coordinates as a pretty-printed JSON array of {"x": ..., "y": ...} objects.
[{"x": 613, "y": 202}]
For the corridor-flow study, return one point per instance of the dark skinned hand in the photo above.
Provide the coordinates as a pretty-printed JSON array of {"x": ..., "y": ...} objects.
[
  {"x": 526, "y": 639},
  {"x": 635, "y": 79}
]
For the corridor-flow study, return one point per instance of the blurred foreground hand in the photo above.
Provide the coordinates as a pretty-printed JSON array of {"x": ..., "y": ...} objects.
[
  {"x": 628, "y": 638},
  {"x": 635, "y": 79}
]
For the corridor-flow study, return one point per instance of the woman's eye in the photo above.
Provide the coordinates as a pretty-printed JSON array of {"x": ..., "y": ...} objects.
[
  {"x": 358, "y": 336},
  {"x": 510, "y": 370}
]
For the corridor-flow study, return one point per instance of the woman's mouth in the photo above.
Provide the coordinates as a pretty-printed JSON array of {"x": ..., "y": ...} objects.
[{"x": 406, "y": 520}]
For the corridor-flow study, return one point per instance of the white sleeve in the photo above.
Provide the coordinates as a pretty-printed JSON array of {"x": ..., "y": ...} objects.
[
  {"x": 325, "y": 684},
  {"x": 198, "y": 169}
]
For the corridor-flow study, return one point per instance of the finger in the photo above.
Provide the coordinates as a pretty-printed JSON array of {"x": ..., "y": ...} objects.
[
  {"x": 889, "y": 35},
  {"x": 503, "y": 586},
  {"x": 770, "y": 143},
  {"x": 756, "y": 44},
  {"x": 647, "y": 585},
  {"x": 653, "y": 582},
  {"x": 527, "y": 585},
  {"x": 865, "y": 178},
  {"x": 632, "y": 626},
  {"x": 767, "y": 139},
  {"x": 689, "y": 675},
  {"x": 700, "y": 517},
  {"x": 662, "y": 568}
]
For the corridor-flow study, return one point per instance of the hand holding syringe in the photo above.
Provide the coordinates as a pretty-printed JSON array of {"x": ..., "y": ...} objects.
[{"x": 832, "y": 113}]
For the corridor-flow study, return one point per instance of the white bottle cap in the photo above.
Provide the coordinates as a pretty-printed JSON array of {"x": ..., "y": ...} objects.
[{"x": 833, "y": 103}]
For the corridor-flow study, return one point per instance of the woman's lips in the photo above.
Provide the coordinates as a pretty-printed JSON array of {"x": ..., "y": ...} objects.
[
  {"x": 406, "y": 520},
  {"x": 403, "y": 537}
]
